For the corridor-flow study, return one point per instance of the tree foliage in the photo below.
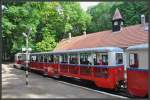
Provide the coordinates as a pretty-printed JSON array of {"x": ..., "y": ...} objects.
[
  {"x": 103, "y": 12},
  {"x": 131, "y": 12},
  {"x": 48, "y": 26},
  {"x": 101, "y": 18}
]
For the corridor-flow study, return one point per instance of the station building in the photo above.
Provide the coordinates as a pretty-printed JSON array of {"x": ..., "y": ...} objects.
[{"x": 119, "y": 36}]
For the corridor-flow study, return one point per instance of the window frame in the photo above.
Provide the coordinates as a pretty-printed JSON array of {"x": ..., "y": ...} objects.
[
  {"x": 41, "y": 58},
  {"x": 118, "y": 59},
  {"x": 32, "y": 58},
  {"x": 64, "y": 58},
  {"x": 45, "y": 58},
  {"x": 134, "y": 65},
  {"x": 115, "y": 23},
  {"x": 73, "y": 58},
  {"x": 84, "y": 56},
  {"x": 56, "y": 58},
  {"x": 102, "y": 55},
  {"x": 50, "y": 58}
]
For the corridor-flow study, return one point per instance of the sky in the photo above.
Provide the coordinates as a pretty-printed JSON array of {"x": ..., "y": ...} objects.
[{"x": 85, "y": 5}]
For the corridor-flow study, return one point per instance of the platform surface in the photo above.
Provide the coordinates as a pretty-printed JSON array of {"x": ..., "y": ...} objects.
[{"x": 13, "y": 86}]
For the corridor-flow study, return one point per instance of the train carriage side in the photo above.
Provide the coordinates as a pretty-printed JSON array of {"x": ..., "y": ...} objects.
[
  {"x": 53, "y": 65},
  {"x": 69, "y": 64},
  {"x": 104, "y": 65},
  {"x": 45, "y": 63},
  {"x": 137, "y": 71},
  {"x": 110, "y": 73},
  {"x": 37, "y": 62}
]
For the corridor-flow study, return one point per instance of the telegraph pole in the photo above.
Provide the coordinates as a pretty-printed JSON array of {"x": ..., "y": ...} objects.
[
  {"x": 27, "y": 60},
  {"x": 26, "y": 35}
]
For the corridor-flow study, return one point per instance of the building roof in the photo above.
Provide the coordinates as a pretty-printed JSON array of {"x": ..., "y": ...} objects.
[
  {"x": 117, "y": 15},
  {"x": 128, "y": 36}
]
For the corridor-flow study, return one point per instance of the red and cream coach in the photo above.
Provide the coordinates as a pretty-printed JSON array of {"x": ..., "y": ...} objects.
[
  {"x": 20, "y": 59},
  {"x": 137, "y": 71},
  {"x": 44, "y": 62},
  {"x": 102, "y": 65}
]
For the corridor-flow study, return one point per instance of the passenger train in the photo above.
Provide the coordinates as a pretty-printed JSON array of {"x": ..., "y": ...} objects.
[{"x": 105, "y": 66}]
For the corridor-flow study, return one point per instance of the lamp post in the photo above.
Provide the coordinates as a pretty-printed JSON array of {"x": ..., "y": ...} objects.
[{"x": 26, "y": 35}]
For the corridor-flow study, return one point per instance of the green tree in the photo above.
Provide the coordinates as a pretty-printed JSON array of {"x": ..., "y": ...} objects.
[
  {"x": 102, "y": 14},
  {"x": 76, "y": 20},
  {"x": 48, "y": 26},
  {"x": 131, "y": 11},
  {"x": 18, "y": 19},
  {"x": 101, "y": 18}
]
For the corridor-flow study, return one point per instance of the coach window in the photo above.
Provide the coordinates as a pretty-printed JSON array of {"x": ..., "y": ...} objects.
[
  {"x": 119, "y": 58},
  {"x": 41, "y": 58},
  {"x": 50, "y": 58},
  {"x": 19, "y": 57},
  {"x": 102, "y": 58},
  {"x": 95, "y": 60},
  {"x": 33, "y": 58},
  {"x": 84, "y": 58},
  {"x": 37, "y": 58},
  {"x": 133, "y": 60},
  {"x": 56, "y": 58},
  {"x": 64, "y": 58},
  {"x": 45, "y": 58},
  {"x": 73, "y": 58}
]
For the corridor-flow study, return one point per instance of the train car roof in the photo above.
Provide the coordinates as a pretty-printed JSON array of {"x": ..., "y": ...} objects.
[
  {"x": 42, "y": 53},
  {"x": 138, "y": 47},
  {"x": 21, "y": 53},
  {"x": 97, "y": 49}
]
